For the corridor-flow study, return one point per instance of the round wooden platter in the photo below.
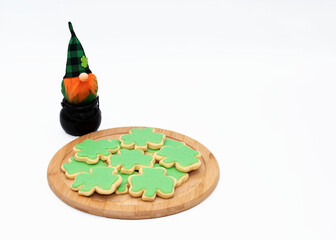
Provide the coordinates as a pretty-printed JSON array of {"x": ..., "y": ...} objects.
[{"x": 199, "y": 186}]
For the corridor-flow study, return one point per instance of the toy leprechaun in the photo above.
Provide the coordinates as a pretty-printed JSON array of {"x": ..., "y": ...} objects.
[
  {"x": 79, "y": 85},
  {"x": 80, "y": 113}
]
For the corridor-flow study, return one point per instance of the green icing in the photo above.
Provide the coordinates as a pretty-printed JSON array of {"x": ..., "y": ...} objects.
[
  {"x": 183, "y": 155},
  {"x": 74, "y": 166},
  {"x": 124, "y": 177},
  {"x": 173, "y": 172},
  {"x": 131, "y": 158},
  {"x": 151, "y": 180},
  {"x": 91, "y": 148},
  {"x": 101, "y": 177},
  {"x": 168, "y": 142},
  {"x": 140, "y": 136}
]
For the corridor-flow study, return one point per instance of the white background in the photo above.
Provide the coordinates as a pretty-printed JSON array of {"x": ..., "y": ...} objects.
[{"x": 254, "y": 81}]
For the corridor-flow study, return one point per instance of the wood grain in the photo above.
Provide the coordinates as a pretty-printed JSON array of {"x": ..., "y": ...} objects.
[{"x": 199, "y": 186}]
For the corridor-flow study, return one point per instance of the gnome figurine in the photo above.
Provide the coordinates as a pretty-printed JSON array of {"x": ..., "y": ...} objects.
[
  {"x": 80, "y": 113},
  {"x": 79, "y": 85}
]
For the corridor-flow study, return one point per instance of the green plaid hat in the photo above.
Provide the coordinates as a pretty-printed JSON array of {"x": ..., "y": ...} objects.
[{"x": 77, "y": 62}]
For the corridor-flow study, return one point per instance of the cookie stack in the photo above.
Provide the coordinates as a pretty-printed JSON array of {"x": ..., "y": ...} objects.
[{"x": 142, "y": 163}]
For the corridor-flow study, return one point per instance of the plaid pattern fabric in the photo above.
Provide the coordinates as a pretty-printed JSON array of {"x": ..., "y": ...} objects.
[{"x": 76, "y": 60}]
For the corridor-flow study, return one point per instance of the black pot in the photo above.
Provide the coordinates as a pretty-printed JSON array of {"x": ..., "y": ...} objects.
[{"x": 78, "y": 120}]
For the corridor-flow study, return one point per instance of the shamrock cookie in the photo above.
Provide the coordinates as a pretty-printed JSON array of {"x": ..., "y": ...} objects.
[
  {"x": 142, "y": 138},
  {"x": 90, "y": 151},
  {"x": 151, "y": 182},
  {"x": 167, "y": 142},
  {"x": 183, "y": 158},
  {"x": 123, "y": 187},
  {"x": 73, "y": 167},
  {"x": 103, "y": 180},
  {"x": 126, "y": 161},
  {"x": 179, "y": 176}
]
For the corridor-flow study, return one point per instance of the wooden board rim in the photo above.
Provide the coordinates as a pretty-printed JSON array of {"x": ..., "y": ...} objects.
[{"x": 135, "y": 209}]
